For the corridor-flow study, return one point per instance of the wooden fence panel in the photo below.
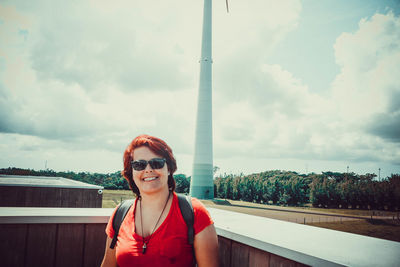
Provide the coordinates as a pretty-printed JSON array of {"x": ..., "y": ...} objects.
[
  {"x": 95, "y": 243},
  {"x": 41, "y": 244},
  {"x": 258, "y": 258},
  {"x": 30, "y": 197},
  {"x": 71, "y": 198},
  {"x": 13, "y": 244},
  {"x": 239, "y": 255},
  {"x": 70, "y": 241},
  {"x": 224, "y": 251},
  {"x": 83, "y": 245}
]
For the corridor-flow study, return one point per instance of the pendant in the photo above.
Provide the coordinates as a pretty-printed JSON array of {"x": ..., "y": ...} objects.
[{"x": 144, "y": 248}]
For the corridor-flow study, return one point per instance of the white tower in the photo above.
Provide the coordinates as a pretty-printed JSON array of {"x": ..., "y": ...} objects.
[{"x": 202, "y": 184}]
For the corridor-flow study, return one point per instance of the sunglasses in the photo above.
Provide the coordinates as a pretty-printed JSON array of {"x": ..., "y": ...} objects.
[{"x": 140, "y": 165}]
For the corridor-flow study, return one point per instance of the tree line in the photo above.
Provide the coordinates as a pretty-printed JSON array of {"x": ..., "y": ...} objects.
[
  {"x": 329, "y": 189},
  {"x": 112, "y": 181},
  {"x": 108, "y": 181}
]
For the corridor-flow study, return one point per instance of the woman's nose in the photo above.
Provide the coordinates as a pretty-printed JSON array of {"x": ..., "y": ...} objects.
[{"x": 148, "y": 168}]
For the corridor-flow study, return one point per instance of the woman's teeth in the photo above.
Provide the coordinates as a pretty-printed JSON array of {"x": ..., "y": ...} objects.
[{"x": 149, "y": 179}]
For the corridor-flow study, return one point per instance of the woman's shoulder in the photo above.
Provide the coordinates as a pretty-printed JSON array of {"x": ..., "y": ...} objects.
[
  {"x": 201, "y": 215},
  {"x": 197, "y": 204}
]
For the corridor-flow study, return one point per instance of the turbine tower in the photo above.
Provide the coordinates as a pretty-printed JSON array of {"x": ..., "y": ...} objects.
[{"x": 202, "y": 184}]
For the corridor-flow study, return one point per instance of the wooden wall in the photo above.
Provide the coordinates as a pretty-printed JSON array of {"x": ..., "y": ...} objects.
[
  {"x": 235, "y": 254},
  {"x": 25, "y": 245},
  {"x": 83, "y": 245},
  {"x": 21, "y": 196}
]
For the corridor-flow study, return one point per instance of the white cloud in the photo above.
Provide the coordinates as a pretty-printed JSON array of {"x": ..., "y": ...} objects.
[
  {"x": 279, "y": 117},
  {"x": 93, "y": 48},
  {"x": 369, "y": 67},
  {"x": 80, "y": 79}
]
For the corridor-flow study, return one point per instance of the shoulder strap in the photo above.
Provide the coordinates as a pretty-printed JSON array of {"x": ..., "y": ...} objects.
[
  {"x": 119, "y": 218},
  {"x": 185, "y": 204}
]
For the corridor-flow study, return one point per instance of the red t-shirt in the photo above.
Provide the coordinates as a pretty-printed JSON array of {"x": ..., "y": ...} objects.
[{"x": 168, "y": 245}]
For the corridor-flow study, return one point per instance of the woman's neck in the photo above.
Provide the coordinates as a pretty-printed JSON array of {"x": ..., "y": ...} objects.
[{"x": 155, "y": 200}]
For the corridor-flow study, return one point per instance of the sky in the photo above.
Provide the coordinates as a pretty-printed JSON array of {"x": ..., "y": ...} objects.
[{"x": 305, "y": 86}]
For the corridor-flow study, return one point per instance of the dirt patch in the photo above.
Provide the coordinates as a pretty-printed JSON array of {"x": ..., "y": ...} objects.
[{"x": 388, "y": 229}]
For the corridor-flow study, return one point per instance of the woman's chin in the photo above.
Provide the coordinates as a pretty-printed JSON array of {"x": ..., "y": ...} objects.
[{"x": 152, "y": 188}]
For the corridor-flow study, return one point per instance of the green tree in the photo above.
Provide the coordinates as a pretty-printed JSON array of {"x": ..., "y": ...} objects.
[{"x": 182, "y": 183}]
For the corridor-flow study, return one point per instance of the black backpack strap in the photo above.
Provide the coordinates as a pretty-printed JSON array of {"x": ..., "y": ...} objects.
[
  {"x": 185, "y": 204},
  {"x": 119, "y": 218}
]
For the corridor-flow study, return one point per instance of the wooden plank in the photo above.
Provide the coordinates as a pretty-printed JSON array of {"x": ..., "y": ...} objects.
[
  {"x": 20, "y": 195},
  {"x": 91, "y": 198},
  {"x": 95, "y": 243},
  {"x": 12, "y": 245},
  {"x": 239, "y": 255},
  {"x": 97, "y": 199},
  {"x": 224, "y": 251},
  {"x": 48, "y": 197},
  {"x": 69, "y": 249},
  {"x": 57, "y": 198},
  {"x": 8, "y": 196},
  {"x": 71, "y": 197},
  {"x": 278, "y": 261},
  {"x": 30, "y": 199},
  {"x": 86, "y": 201},
  {"x": 258, "y": 258},
  {"x": 41, "y": 245}
]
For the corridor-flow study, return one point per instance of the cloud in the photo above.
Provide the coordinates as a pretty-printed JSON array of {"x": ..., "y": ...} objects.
[
  {"x": 369, "y": 66},
  {"x": 269, "y": 112},
  {"x": 89, "y": 80},
  {"x": 91, "y": 47},
  {"x": 76, "y": 78},
  {"x": 367, "y": 91},
  {"x": 386, "y": 126}
]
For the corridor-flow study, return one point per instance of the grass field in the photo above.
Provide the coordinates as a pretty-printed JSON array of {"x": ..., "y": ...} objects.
[
  {"x": 378, "y": 227},
  {"x": 111, "y": 198}
]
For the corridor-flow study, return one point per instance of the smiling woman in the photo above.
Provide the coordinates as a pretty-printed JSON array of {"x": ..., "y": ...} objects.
[{"x": 154, "y": 231}]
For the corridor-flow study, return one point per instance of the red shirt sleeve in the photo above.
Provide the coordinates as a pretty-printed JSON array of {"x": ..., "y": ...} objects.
[{"x": 202, "y": 218}]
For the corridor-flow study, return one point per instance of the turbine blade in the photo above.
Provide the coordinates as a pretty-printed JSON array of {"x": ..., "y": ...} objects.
[{"x": 227, "y": 8}]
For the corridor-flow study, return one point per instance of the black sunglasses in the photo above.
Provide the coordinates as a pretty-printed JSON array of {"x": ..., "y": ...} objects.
[{"x": 140, "y": 165}]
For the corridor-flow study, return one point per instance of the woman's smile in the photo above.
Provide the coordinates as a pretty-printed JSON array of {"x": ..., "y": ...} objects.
[{"x": 149, "y": 179}]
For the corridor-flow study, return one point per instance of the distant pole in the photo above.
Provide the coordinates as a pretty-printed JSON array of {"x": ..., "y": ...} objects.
[
  {"x": 202, "y": 184},
  {"x": 379, "y": 174},
  {"x": 45, "y": 165},
  {"x": 347, "y": 169}
]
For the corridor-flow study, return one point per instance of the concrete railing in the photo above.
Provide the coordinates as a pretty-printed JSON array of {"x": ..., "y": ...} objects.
[{"x": 75, "y": 237}]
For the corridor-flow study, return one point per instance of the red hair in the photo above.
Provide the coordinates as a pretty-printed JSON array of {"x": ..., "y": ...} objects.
[{"x": 157, "y": 146}]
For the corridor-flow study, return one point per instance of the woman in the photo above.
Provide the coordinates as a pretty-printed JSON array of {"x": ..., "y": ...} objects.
[{"x": 153, "y": 232}]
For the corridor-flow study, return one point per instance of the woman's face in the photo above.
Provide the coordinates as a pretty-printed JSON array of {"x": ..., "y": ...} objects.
[{"x": 149, "y": 181}]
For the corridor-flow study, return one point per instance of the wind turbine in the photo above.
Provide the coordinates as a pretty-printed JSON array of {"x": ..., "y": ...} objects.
[{"x": 202, "y": 184}]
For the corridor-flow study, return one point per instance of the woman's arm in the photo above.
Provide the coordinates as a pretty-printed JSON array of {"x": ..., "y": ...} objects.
[
  {"x": 109, "y": 259},
  {"x": 206, "y": 247}
]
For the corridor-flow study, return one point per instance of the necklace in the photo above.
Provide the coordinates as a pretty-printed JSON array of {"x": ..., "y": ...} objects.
[{"x": 144, "y": 247}]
